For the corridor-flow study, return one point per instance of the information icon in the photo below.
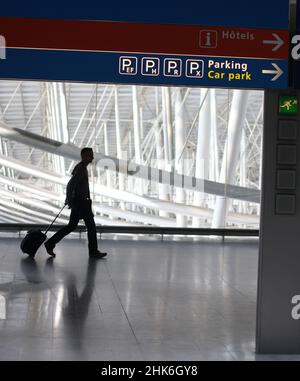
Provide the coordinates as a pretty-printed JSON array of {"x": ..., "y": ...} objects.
[{"x": 209, "y": 39}]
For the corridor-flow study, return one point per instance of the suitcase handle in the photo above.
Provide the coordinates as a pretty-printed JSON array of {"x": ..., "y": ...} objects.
[{"x": 49, "y": 227}]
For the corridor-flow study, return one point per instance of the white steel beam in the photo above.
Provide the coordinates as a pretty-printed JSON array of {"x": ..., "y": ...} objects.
[
  {"x": 137, "y": 135},
  {"x": 148, "y": 202},
  {"x": 45, "y": 196},
  {"x": 163, "y": 190},
  {"x": 50, "y": 208},
  {"x": 231, "y": 153},
  {"x": 179, "y": 162},
  {"x": 121, "y": 177},
  {"x": 21, "y": 216},
  {"x": 109, "y": 180},
  {"x": 167, "y": 125},
  {"x": 243, "y": 168},
  {"x": 214, "y": 144},
  {"x": 83, "y": 116},
  {"x": 203, "y": 149}
]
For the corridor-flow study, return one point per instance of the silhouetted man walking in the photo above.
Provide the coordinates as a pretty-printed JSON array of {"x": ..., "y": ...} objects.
[{"x": 78, "y": 199}]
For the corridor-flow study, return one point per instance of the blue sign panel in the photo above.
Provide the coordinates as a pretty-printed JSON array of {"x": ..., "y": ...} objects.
[
  {"x": 146, "y": 69},
  {"x": 246, "y": 13},
  {"x": 239, "y": 44},
  {"x": 298, "y": 16}
]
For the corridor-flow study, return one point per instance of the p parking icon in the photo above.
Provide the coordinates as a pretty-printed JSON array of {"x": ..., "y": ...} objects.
[
  {"x": 194, "y": 68},
  {"x": 172, "y": 67},
  {"x": 2, "y": 48},
  {"x": 128, "y": 65},
  {"x": 150, "y": 66}
]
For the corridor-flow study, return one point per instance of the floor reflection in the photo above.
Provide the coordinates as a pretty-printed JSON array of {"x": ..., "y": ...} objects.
[
  {"x": 72, "y": 306},
  {"x": 2, "y": 307},
  {"x": 68, "y": 307},
  {"x": 158, "y": 301},
  {"x": 15, "y": 290},
  {"x": 5, "y": 281},
  {"x": 31, "y": 270}
]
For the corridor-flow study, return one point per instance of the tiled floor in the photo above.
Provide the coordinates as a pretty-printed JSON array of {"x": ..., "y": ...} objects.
[{"x": 148, "y": 300}]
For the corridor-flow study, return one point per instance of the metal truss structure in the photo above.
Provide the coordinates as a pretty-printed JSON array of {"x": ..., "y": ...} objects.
[{"x": 177, "y": 157}]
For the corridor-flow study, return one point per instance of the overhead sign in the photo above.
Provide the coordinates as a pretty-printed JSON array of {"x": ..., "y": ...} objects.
[
  {"x": 234, "y": 13},
  {"x": 160, "y": 52}
]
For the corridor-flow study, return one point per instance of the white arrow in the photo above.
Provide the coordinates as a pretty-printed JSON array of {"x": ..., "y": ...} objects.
[
  {"x": 277, "y": 71},
  {"x": 278, "y": 42}
]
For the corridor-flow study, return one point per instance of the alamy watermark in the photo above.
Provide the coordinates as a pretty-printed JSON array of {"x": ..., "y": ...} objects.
[
  {"x": 157, "y": 172},
  {"x": 2, "y": 48},
  {"x": 296, "y": 48},
  {"x": 296, "y": 308}
]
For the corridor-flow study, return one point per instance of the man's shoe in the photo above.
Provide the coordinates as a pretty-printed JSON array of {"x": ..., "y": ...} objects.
[
  {"x": 97, "y": 254},
  {"x": 49, "y": 248}
]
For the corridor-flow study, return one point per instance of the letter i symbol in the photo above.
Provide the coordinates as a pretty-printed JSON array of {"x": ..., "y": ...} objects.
[{"x": 208, "y": 39}]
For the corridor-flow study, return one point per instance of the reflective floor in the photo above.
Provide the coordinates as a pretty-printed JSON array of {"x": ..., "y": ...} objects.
[{"x": 149, "y": 300}]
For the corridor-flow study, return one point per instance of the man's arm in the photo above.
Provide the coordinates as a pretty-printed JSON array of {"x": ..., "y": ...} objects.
[{"x": 75, "y": 179}]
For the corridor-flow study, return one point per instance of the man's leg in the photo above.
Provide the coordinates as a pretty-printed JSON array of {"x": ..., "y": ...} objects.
[
  {"x": 92, "y": 234},
  {"x": 60, "y": 234}
]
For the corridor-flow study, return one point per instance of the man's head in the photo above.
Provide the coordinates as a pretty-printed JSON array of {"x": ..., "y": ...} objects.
[{"x": 87, "y": 155}]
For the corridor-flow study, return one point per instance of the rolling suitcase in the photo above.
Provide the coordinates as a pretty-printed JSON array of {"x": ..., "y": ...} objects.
[{"x": 35, "y": 238}]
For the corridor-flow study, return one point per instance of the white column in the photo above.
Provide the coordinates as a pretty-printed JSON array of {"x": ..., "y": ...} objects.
[
  {"x": 136, "y": 125},
  {"x": 121, "y": 177},
  {"x": 179, "y": 162},
  {"x": 214, "y": 144},
  {"x": 162, "y": 188},
  {"x": 137, "y": 134},
  {"x": 203, "y": 152},
  {"x": 167, "y": 142},
  {"x": 242, "y": 206},
  {"x": 231, "y": 153},
  {"x": 106, "y": 150},
  {"x": 58, "y": 122},
  {"x": 167, "y": 126}
]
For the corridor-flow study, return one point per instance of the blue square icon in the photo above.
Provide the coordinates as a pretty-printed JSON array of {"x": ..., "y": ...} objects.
[
  {"x": 150, "y": 66},
  {"x": 172, "y": 67},
  {"x": 194, "y": 68},
  {"x": 128, "y": 65}
]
